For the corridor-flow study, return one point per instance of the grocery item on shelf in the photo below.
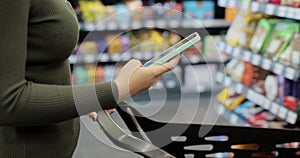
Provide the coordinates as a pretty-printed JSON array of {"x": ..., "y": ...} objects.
[
  {"x": 242, "y": 29},
  {"x": 291, "y": 55},
  {"x": 271, "y": 87},
  {"x": 280, "y": 38},
  {"x": 230, "y": 99},
  {"x": 262, "y": 34},
  {"x": 247, "y": 109},
  {"x": 198, "y": 10},
  {"x": 92, "y": 11},
  {"x": 210, "y": 48},
  {"x": 267, "y": 120},
  {"x": 88, "y": 47},
  {"x": 124, "y": 11},
  {"x": 80, "y": 75},
  {"x": 174, "y": 13},
  {"x": 248, "y": 74},
  {"x": 114, "y": 44}
]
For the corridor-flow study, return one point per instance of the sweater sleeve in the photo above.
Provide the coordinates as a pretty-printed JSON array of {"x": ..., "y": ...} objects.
[{"x": 24, "y": 103}]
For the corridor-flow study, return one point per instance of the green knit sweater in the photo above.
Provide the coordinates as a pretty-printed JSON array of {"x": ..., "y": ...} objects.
[{"x": 38, "y": 116}]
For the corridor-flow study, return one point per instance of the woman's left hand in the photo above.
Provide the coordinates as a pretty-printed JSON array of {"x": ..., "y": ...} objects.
[{"x": 94, "y": 115}]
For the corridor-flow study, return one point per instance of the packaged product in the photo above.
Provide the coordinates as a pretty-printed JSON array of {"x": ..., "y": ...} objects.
[
  {"x": 199, "y": 10},
  {"x": 262, "y": 34},
  {"x": 291, "y": 55},
  {"x": 281, "y": 36}
]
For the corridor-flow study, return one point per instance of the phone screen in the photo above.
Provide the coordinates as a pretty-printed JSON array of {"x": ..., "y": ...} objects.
[{"x": 176, "y": 49}]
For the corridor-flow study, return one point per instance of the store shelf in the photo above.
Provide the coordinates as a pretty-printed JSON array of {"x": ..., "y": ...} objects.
[
  {"x": 232, "y": 117},
  {"x": 266, "y": 8},
  {"x": 273, "y": 107},
  {"x": 104, "y": 57},
  {"x": 113, "y": 26},
  {"x": 123, "y": 57},
  {"x": 258, "y": 60}
]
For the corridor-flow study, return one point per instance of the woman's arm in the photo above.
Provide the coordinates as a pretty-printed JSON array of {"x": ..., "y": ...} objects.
[{"x": 27, "y": 103}]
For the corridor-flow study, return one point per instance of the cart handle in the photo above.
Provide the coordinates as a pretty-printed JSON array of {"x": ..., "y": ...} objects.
[{"x": 120, "y": 138}]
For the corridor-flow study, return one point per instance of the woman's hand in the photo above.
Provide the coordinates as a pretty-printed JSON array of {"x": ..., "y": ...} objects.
[
  {"x": 134, "y": 78},
  {"x": 94, "y": 115}
]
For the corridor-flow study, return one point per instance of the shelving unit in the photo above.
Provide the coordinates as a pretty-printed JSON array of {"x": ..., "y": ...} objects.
[
  {"x": 263, "y": 62},
  {"x": 174, "y": 25},
  {"x": 278, "y": 68},
  {"x": 273, "y": 107},
  {"x": 118, "y": 57},
  {"x": 265, "y": 8}
]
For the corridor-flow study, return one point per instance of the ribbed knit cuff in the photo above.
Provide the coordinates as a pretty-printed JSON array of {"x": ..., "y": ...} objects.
[{"x": 107, "y": 94}]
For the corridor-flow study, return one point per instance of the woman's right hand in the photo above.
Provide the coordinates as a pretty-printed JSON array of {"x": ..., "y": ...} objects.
[{"x": 134, "y": 78}]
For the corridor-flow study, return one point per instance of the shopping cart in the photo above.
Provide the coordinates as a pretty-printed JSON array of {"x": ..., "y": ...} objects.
[{"x": 220, "y": 141}]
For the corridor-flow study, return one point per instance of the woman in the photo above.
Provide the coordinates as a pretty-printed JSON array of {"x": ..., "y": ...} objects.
[{"x": 38, "y": 116}]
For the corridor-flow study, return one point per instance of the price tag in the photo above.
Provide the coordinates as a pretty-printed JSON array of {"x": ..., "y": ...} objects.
[
  {"x": 260, "y": 100},
  {"x": 219, "y": 77},
  {"x": 255, "y": 6},
  {"x": 112, "y": 26},
  {"x": 274, "y": 108},
  {"x": 291, "y": 117},
  {"x": 148, "y": 55},
  {"x": 126, "y": 56},
  {"x": 270, "y": 9},
  {"x": 267, "y": 103},
  {"x": 90, "y": 58},
  {"x": 256, "y": 59},
  {"x": 251, "y": 95},
  {"x": 266, "y": 64},
  {"x": 100, "y": 26},
  {"x": 222, "y": 46},
  {"x": 247, "y": 55},
  {"x": 72, "y": 59},
  {"x": 234, "y": 118},
  {"x": 227, "y": 81},
  {"x": 187, "y": 24},
  {"x": 282, "y": 112},
  {"x": 173, "y": 24},
  {"x": 290, "y": 73},
  {"x": 124, "y": 26},
  {"x": 297, "y": 14},
  {"x": 89, "y": 26},
  {"x": 239, "y": 88},
  {"x": 229, "y": 49},
  {"x": 115, "y": 57},
  {"x": 194, "y": 59},
  {"x": 281, "y": 11},
  {"x": 136, "y": 24},
  {"x": 232, "y": 4},
  {"x": 138, "y": 55},
  {"x": 161, "y": 23},
  {"x": 290, "y": 13},
  {"x": 150, "y": 23},
  {"x": 236, "y": 52},
  {"x": 278, "y": 68},
  {"x": 104, "y": 57},
  {"x": 222, "y": 3}
]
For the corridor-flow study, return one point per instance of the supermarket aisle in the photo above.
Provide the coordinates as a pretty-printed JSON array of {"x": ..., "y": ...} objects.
[{"x": 89, "y": 147}]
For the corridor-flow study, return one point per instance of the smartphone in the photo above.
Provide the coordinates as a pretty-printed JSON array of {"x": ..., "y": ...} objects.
[{"x": 176, "y": 49}]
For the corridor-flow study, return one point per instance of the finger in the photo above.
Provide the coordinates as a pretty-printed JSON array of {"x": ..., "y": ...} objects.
[
  {"x": 172, "y": 63},
  {"x": 110, "y": 111},
  {"x": 160, "y": 69},
  {"x": 157, "y": 79},
  {"x": 93, "y": 116}
]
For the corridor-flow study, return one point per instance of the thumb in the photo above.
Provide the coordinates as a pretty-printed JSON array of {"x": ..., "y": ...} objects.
[{"x": 160, "y": 69}]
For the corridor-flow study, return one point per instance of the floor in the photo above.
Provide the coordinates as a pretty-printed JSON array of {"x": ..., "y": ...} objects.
[{"x": 187, "y": 108}]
